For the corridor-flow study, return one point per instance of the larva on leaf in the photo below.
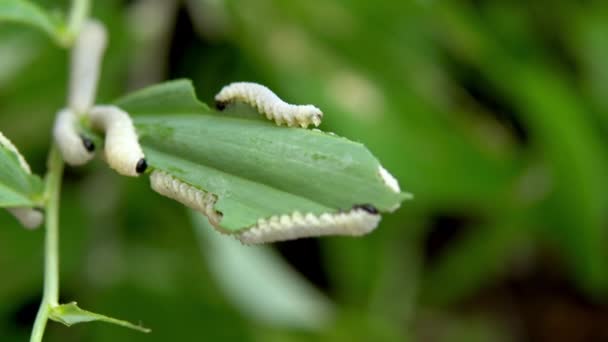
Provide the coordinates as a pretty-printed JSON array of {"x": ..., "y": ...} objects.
[
  {"x": 122, "y": 150},
  {"x": 269, "y": 104},
  {"x": 186, "y": 194},
  {"x": 28, "y": 217},
  {"x": 254, "y": 181},
  {"x": 85, "y": 66},
  {"x": 75, "y": 148},
  {"x": 360, "y": 220}
]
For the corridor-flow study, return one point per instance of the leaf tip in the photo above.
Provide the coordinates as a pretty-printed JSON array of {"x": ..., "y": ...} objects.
[{"x": 70, "y": 314}]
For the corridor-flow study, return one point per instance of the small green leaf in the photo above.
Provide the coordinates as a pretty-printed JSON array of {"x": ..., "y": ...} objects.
[
  {"x": 18, "y": 187},
  {"x": 70, "y": 314},
  {"x": 26, "y": 12},
  {"x": 255, "y": 169}
]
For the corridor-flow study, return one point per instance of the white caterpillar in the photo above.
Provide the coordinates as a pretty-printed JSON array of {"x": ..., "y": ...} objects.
[
  {"x": 268, "y": 103},
  {"x": 85, "y": 66},
  {"x": 186, "y": 194},
  {"x": 75, "y": 148},
  {"x": 28, "y": 217},
  {"x": 122, "y": 150},
  {"x": 358, "y": 221}
]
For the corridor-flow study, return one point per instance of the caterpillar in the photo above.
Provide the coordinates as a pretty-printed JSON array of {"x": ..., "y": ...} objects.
[
  {"x": 85, "y": 66},
  {"x": 199, "y": 200},
  {"x": 360, "y": 220},
  {"x": 28, "y": 217},
  {"x": 122, "y": 150},
  {"x": 269, "y": 104},
  {"x": 75, "y": 148}
]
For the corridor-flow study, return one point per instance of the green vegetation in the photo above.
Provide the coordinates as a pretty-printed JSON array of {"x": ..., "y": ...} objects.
[{"x": 494, "y": 114}]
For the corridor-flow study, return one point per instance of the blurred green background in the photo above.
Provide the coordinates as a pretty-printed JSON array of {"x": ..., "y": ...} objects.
[{"x": 493, "y": 113}]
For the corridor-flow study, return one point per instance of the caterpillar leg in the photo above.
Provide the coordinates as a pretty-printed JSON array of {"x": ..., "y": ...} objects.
[
  {"x": 268, "y": 104},
  {"x": 122, "y": 150}
]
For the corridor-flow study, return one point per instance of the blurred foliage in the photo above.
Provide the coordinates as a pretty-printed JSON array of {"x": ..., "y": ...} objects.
[{"x": 494, "y": 114}]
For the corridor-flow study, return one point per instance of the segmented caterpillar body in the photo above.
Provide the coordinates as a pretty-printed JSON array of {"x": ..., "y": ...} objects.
[
  {"x": 269, "y": 104},
  {"x": 75, "y": 149},
  {"x": 122, "y": 150},
  {"x": 85, "y": 66},
  {"x": 28, "y": 217},
  {"x": 186, "y": 194},
  {"x": 358, "y": 221}
]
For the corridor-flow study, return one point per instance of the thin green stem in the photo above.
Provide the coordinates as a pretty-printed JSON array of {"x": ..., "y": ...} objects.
[
  {"x": 40, "y": 324},
  {"x": 78, "y": 14},
  {"x": 50, "y": 296}
]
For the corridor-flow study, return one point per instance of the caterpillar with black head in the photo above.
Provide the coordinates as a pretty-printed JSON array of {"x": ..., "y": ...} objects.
[
  {"x": 28, "y": 217},
  {"x": 122, "y": 150},
  {"x": 269, "y": 104},
  {"x": 75, "y": 148}
]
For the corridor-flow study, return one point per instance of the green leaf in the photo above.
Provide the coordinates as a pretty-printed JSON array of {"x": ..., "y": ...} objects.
[
  {"x": 18, "y": 188},
  {"x": 28, "y": 13},
  {"x": 259, "y": 170},
  {"x": 70, "y": 314},
  {"x": 254, "y": 168}
]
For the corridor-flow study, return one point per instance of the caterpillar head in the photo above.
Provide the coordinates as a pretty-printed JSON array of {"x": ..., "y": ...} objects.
[
  {"x": 141, "y": 166},
  {"x": 220, "y": 105},
  {"x": 311, "y": 114}
]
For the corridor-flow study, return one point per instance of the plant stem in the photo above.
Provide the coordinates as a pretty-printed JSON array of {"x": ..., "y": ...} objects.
[
  {"x": 50, "y": 297},
  {"x": 78, "y": 13}
]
